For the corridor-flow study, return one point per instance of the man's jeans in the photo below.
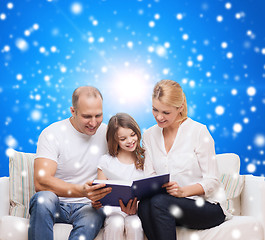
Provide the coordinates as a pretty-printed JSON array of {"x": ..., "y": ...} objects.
[{"x": 46, "y": 210}]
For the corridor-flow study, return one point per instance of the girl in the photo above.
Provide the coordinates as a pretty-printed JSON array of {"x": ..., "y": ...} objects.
[{"x": 124, "y": 162}]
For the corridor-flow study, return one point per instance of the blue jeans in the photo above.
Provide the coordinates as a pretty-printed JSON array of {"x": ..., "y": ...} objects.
[
  {"x": 162, "y": 213},
  {"x": 46, "y": 210}
]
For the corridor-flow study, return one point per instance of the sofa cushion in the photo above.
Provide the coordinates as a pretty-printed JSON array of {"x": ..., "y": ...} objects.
[
  {"x": 233, "y": 185},
  {"x": 21, "y": 183},
  {"x": 239, "y": 227}
]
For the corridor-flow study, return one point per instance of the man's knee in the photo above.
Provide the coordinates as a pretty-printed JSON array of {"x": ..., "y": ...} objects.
[{"x": 44, "y": 199}]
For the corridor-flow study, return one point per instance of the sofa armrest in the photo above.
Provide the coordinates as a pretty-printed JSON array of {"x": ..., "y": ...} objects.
[
  {"x": 4, "y": 199},
  {"x": 253, "y": 198}
]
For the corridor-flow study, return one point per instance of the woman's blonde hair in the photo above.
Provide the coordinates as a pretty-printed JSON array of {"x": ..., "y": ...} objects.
[
  {"x": 124, "y": 120},
  {"x": 170, "y": 93}
]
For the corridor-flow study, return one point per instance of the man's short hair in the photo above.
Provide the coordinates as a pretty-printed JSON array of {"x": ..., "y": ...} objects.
[{"x": 89, "y": 91}]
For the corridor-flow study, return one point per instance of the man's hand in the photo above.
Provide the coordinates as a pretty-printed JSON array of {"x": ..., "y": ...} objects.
[
  {"x": 95, "y": 192},
  {"x": 131, "y": 207}
]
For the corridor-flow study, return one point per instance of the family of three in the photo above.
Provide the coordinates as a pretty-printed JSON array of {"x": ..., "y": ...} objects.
[{"x": 73, "y": 152}]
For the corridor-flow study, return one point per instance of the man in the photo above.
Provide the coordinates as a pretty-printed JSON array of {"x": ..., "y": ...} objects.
[{"x": 64, "y": 168}]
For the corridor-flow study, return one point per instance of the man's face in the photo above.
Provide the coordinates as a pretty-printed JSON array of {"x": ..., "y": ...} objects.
[{"x": 88, "y": 115}]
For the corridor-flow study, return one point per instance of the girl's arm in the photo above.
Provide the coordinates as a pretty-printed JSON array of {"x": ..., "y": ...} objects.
[{"x": 101, "y": 175}]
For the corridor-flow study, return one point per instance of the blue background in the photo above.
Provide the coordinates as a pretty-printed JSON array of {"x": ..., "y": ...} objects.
[{"x": 214, "y": 49}]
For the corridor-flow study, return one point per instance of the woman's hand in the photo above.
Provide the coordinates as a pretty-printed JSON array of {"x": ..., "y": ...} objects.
[
  {"x": 174, "y": 189},
  {"x": 96, "y": 204},
  {"x": 131, "y": 207}
]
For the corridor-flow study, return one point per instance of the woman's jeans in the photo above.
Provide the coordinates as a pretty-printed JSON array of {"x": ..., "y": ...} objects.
[
  {"x": 46, "y": 210},
  {"x": 162, "y": 213}
]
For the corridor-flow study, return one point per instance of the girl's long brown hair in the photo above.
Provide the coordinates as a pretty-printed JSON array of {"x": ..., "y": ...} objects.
[{"x": 124, "y": 120}]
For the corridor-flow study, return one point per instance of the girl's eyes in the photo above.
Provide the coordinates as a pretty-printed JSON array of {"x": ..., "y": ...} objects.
[
  {"x": 166, "y": 113},
  {"x": 133, "y": 134},
  {"x": 155, "y": 110}
]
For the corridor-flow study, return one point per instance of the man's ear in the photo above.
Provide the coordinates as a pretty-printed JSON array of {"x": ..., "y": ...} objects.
[{"x": 72, "y": 109}]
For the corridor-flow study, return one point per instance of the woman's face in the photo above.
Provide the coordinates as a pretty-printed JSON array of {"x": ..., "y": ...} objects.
[
  {"x": 164, "y": 115},
  {"x": 127, "y": 139}
]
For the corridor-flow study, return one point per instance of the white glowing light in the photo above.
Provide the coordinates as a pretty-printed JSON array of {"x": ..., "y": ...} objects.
[
  {"x": 35, "y": 115},
  {"x": 224, "y": 44},
  {"x": 161, "y": 51},
  {"x": 3, "y": 16},
  {"x": 236, "y": 234},
  {"x": 10, "y": 5},
  {"x": 200, "y": 58},
  {"x": 157, "y": 16},
  {"x": 179, "y": 16},
  {"x": 27, "y": 33},
  {"x": 63, "y": 69},
  {"x": 94, "y": 149},
  {"x": 82, "y": 237},
  {"x": 167, "y": 45},
  {"x": 190, "y": 63},
  {"x": 176, "y": 211},
  {"x": 130, "y": 44},
  {"x": 151, "y": 49},
  {"x": 6, "y": 48},
  {"x": 194, "y": 236},
  {"x": 104, "y": 69},
  {"x": 228, "y": 5},
  {"x": 76, "y": 8},
  {"x": 219, "y": 18},
  {"x": 259, "y": 140},
  {"x": 53, "y": 49},
  {"x": 219, "y": 110},
  {"x": 192, "y": 83},
  {"x": 46, "y": 78},
  {"x": 151, "y": 24},
  {"x": 41, "y": 199},
  {"x": 95, "y": 22},
  {"x": 42, "y": 49},
  {"x": 10, "y": 152},
  {"x": 208, "y": 74},
  {"x": 229, "y": 55},
  {"x": 234, "y": 92},
  {"x": 251, "y": 168},
  {"x": 130, "y": 86},
  {"x": 41, "y": 173},
  {"x": 21, "y": 44},
  {"x": 36, "y": 26},
  {"x": 91, "y": 39},
  {"x": 11, "y": 141},
  {"x": 165, "y": 71},
  {"x": 19, "y": 77},
  {"x": 251, "y": 91},
  {"x": 107, "y": 210},
  {"x": 237, "y": 127},
  {"x": 199, "y": 202},
  {"x": 185, "y": 36}
]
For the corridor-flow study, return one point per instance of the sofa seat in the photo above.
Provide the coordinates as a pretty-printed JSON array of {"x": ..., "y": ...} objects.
[
  {"x": 239, "y": 227},
  {"x": 13, "y": 228}
]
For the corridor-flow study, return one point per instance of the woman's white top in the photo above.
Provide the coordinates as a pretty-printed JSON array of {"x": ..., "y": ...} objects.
[{"x": 190, "y": 160}]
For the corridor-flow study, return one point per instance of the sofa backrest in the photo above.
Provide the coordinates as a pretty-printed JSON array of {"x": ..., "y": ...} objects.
[{"x": 228, "y": 163}]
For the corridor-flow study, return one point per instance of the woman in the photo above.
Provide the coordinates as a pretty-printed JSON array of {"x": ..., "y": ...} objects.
[{"x": 185, "y": 149}]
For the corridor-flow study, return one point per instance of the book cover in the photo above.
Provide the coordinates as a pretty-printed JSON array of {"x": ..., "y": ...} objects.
[{"x": 126, "y": 190}]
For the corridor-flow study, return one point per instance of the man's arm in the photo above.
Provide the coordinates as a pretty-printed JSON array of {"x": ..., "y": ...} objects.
[{"x": 44, "y": 180}]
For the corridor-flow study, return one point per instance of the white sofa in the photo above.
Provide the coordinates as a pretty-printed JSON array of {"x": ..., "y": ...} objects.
[{"x": 250, "y": 205}]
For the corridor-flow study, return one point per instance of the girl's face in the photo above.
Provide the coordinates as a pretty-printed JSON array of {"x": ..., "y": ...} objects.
[
  {"x": 127, "y": 139},
  {"x": 165, "y": 115}
]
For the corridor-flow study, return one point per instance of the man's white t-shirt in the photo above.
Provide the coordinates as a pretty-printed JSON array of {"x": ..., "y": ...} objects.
[{"x": 75, "y": 153}]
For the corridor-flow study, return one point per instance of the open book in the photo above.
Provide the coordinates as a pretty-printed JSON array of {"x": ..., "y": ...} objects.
[{"x": 126, "y": 190}]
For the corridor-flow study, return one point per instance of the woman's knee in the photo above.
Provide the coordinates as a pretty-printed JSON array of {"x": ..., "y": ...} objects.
[{"x": 114, "y": 223}]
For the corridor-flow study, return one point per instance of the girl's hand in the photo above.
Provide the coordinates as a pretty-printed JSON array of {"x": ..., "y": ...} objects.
[
  {"x": 131, "y": 207},
  {"x": 96, "y": 204},
  {"x": 174, "y": 189}
]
